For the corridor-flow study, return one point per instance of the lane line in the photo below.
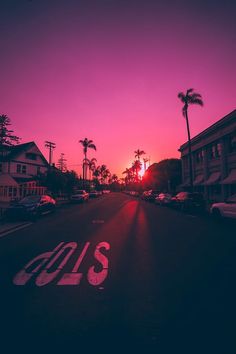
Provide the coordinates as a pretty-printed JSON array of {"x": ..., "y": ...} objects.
[{"x": 17, "y": 228}]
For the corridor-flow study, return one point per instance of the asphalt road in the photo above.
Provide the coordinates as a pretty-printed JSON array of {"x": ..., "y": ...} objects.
[{"x": 118, "y": 273}]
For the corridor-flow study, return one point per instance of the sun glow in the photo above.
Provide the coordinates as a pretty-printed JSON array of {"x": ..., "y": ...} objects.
[{"x": 141, "y": 172}]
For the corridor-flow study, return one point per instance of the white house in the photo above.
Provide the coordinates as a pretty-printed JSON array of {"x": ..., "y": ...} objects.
[{"x": 20, "y": 165}]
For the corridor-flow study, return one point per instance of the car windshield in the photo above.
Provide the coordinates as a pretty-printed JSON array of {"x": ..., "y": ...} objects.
[{"x": 30, "y": 199}]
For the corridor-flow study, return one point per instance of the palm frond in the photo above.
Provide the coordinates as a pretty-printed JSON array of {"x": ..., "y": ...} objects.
[
  {"x": 196, "y": 95},
  {"x": 189, "y": 91},
  {"x": 92, "y": 146},
  {"x": 198, "y": 101},
  {"x": 182, "y": 97}
]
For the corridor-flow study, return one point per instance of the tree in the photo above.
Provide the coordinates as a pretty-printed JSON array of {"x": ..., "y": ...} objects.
[
  {"x": 87, "y": 144},
  {"x": 61, "y": 164},
  {"x": 91, "y": 166},
  {"x": 105, "y": 173},
  {"x": 137, "y": 166},
  {"x": 187, "y": 99},
  {"x": 138, "y": 153},
  {"x": 114, "y": 178},
  {"x": 6, "y": 136},
  {"x": 129, "y": 175},
  {"x": 164, "y": 175}
]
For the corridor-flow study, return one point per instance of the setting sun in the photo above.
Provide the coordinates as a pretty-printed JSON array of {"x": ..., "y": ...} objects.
[{"x": 142, "y": 171}]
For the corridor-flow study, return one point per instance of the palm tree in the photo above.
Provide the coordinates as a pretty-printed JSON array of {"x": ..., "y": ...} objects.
[
  {"x": 105, "y": 173},
  {"x": 91, "y": 166},
  {"x": 187, "y": 99},
  {"x": 114, "y": 178},
  {"x": 138, "y": 153},
  {"x": 87, "y": 144},
  {"x": 137, "y": 166},
  {"x": 129, "y": 175}
]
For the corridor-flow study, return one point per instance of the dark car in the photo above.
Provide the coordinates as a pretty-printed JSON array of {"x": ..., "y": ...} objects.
[
  {"x": 94, "y": 194},
  {"x": 31, "y": 206},
  {"x": 188, "y": 201},
  {"x": 79, "y": 196},
  {"x": 150, "y": 195}
]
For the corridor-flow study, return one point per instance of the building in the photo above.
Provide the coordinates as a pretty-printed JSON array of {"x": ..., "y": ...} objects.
[
  {"x": 20, "y": 166},
  {"x": 213, "y": 160}
]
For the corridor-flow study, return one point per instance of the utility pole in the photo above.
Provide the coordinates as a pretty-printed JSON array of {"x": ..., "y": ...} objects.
[{"x": 51, "y": 146}]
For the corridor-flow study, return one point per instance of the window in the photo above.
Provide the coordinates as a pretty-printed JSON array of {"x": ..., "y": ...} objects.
[
  {"x": 31, "y": 156},
  {"x": 199, "y": 156},
  {"x": 0, "y": 167},
  {"x": 21, "y": 169},
  {"x": 214, "y": 151},
  {"x": 232, "y": 143},
  {"x": 38, "y": 170}
]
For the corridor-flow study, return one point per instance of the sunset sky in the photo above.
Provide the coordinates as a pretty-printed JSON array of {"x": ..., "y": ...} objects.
[{"x": 110, "y": 70}]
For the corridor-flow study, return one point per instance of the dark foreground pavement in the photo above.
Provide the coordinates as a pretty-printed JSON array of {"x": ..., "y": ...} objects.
[{"x": 119, "y": 274}]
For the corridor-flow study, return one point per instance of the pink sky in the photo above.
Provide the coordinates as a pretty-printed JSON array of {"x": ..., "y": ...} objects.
[{"x": 110, "y": 70}]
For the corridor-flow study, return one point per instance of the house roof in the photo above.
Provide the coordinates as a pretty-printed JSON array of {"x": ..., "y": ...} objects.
[
  {"x": 216, "y": 126},
  {"x": 16, "y": 150},
  {"x": 7, "y": 180}
]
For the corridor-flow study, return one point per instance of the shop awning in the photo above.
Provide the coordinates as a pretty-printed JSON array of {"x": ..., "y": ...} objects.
[
  {"x": 213, "y": 178},
  {"x": 231, "y": 179},
  {"x": 198, "y": 180}
]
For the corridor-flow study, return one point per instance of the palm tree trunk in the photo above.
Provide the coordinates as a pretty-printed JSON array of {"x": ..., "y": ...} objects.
[{"x": 189, "y": 152}]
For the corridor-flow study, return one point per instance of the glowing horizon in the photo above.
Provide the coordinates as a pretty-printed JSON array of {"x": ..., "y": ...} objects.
[{"x": 111, "y": 71}]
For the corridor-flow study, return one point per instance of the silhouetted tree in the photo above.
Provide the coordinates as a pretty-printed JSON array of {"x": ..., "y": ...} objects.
[
  {"x": 187, "y": 99},
  {"x": 138, "y": 153},
  {"x": 87, "y": 144},
  {"x": 6, "y": 136},
  {"x": 137, "y": 168},
  {"x": 61, "y": 164},
  {"x": 164, "y": 175}
]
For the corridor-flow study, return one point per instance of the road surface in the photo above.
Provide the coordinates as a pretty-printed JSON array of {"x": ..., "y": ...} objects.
[{"x": 119, "y": 273}]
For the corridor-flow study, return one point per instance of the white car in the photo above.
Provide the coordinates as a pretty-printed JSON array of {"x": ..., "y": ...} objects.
[
  {"x": 225, "y": 209},
  {"x": 79, "y": 196}
]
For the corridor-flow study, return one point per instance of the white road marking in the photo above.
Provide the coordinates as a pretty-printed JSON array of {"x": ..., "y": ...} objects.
[
  {"x": 96, "y": 278},
  {"x": 15, "y": 229},
  {"x": 41, "y": 266},
  {"x": 74, "y": 277},
  {"x": 98, "y": 221}
]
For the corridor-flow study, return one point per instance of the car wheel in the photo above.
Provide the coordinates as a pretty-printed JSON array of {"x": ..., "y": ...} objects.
[
  {"x": 216, "y": 214},
  {"x": 35, "y": 215}
]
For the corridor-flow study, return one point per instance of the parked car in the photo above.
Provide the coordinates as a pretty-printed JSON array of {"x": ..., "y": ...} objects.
[
  {"x": 79, "y": 196},
  {"x": 94, "y": 194},
  {"x": 188, "y": 201},
  {"x": 163, "y": 199},
  {"x": 150, "y": 195},
  {"x": 31, "y": 206},
  {"x": 134, "y": 193},
  {"x": 225, "y": 209},
  {"x": 106, "y": 191}
]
